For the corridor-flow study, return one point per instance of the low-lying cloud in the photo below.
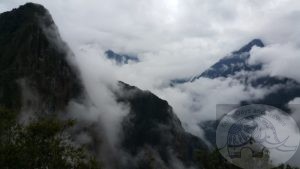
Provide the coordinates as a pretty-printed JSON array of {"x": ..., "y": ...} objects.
[{"x": 278, "y": 60}]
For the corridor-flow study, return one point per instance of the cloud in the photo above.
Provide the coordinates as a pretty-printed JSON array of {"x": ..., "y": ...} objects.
[
  {"x": 278, "y": 60},
  {"x": 99, "y": 79},
  {"x": 174, "y": 38},
  {"x": 197, "y": 102}
]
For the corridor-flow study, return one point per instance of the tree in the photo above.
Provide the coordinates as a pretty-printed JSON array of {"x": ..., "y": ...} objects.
[{"x": 42, "y": 144}]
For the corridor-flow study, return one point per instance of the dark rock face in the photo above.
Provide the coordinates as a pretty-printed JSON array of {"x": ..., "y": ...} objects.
[
  {"x": 249, "y": 46},
  {"x": 234, "y": 63},
  {"x": 287, "y": 90},
  {"x": 152, "y": 123},
  {"x": 32, "y": 55},
  {"x": 120, "y": 59}
]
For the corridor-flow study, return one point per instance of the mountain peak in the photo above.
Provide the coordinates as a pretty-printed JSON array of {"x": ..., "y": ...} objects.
[
  {"x": 120, "y": 59},
  {"x": 28, "y": 10},
  {"x": 30, "y": 13},
  {"x": 248, "y": 47},
  {"x": 33, "y": 7},
  {"x": 233, "y": 63},
  {"x": 33, "y": 56}
]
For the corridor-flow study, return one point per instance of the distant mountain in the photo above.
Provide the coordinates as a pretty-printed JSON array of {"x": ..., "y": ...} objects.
[
  {"x": 234, "y": 63},
  {"x": 236, "y": 66},
  {"x": 34, "y": 71},
  {"x": 120, "y": 59},
  {"x": 284, "y": 89}
]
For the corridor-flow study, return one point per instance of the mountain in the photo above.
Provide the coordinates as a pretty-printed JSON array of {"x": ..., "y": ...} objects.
[
  {"x": 37, "y": 81},
  {"x": 234, "y": 63},
  {"x": 37, "y": 74},
  {"x": 236, "y": 66},
  {"x": 281, "y": 90},
  {"x": 120, "y": 59},
  {"x": 152, "y": 127},
  {"x": 34, "y": 71}
]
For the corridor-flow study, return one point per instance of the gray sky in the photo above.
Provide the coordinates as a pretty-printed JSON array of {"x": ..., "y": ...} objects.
[{"x": 174, "y": 38}]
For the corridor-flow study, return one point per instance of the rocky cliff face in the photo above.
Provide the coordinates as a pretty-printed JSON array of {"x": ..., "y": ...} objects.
[
  {"x": 153, "y": 132},
  {"x": 33, "y": 57}
]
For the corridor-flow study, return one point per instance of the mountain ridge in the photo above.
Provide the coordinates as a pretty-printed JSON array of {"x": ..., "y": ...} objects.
[
  {"x": 236, "y": 62},
  {"x": 31, "y": 51},
  {"x": 164, "y": 132}
]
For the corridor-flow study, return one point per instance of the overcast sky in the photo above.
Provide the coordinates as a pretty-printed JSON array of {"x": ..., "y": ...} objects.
[{"x": 174, "y": 38}]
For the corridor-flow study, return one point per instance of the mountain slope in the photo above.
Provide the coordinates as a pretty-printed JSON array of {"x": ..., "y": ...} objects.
[
  {"x": 33, "y": 57},
  {"x": 233, "y": 63},
  {"x": 152, "y": 127}
]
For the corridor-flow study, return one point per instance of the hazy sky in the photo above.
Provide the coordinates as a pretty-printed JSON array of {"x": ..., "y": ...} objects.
[{"x": 174, "y": 38}]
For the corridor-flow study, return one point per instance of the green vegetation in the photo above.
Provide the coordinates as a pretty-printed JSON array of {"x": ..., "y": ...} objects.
[
  {"x": 42, "y": 144},
  {"x": 213, "y": 160}
]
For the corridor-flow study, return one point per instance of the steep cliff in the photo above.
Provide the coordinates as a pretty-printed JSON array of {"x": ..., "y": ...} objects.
[
  {"x": 34, "y": 71},
  {"x": 151, "y": 129}
]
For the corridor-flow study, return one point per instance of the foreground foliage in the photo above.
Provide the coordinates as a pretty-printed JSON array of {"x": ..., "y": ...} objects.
[{"x": 42, "y": 144}]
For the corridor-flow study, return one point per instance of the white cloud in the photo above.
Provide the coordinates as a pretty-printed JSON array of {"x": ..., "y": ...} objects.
[
  {"x": 196, "y": 102},
  {"x": 278, "y": 60},
  {"x": 175, "y": 37}
]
